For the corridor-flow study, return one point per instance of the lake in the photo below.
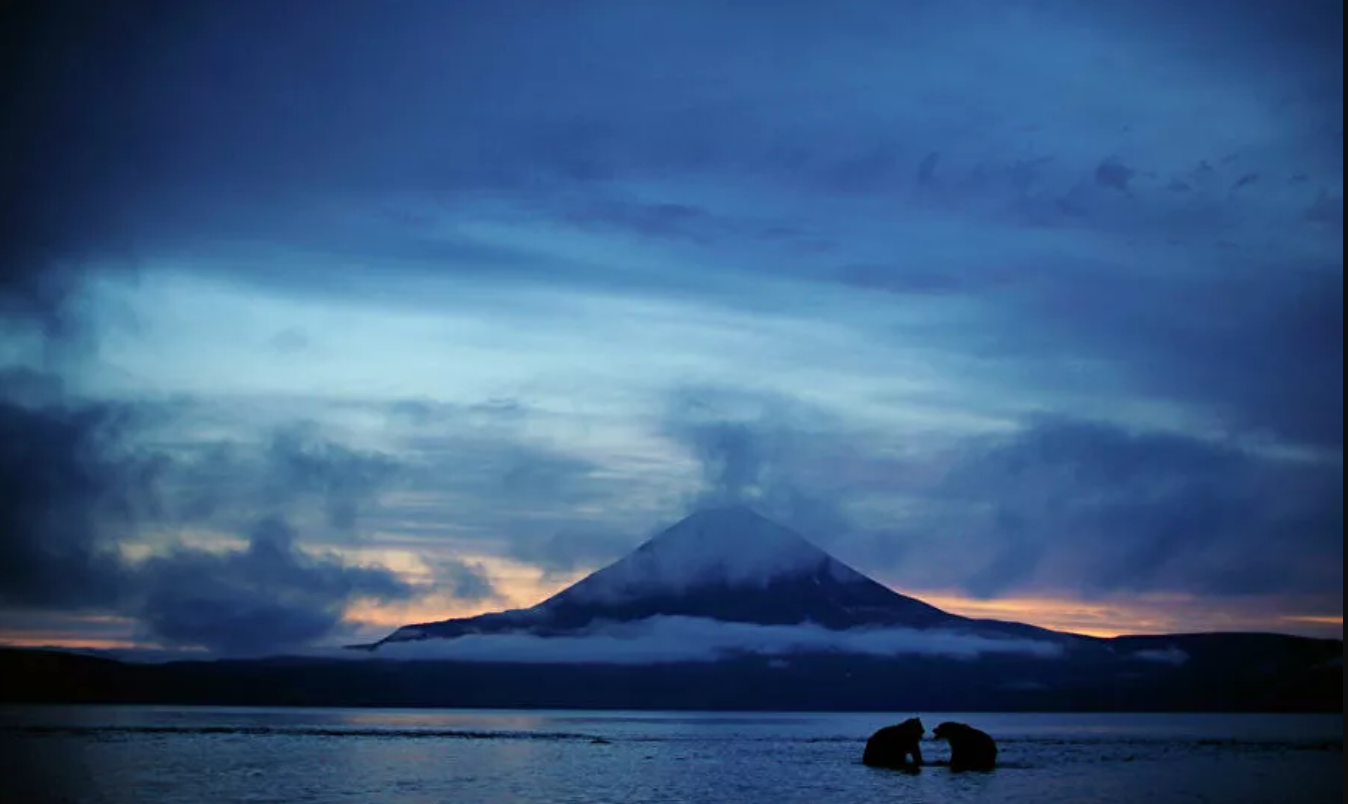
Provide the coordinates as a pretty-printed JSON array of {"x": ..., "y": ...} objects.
[{"x": 201, "y": 754}]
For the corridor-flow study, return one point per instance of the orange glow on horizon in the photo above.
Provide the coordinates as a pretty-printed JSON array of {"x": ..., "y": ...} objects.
[
  {"x": 1138, "y": 615},
  {"x": 1315, "y": 618},
  {"x": 1058, "y": 614},
  {"x": 22, "y": 639},
  {"x": 518, "y": 585}
]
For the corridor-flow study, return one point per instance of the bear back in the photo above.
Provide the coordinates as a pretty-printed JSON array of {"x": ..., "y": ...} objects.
[{"x": 970, "y": 749}]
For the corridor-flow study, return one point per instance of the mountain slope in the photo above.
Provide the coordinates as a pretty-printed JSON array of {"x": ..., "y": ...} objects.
[{"x": 727, "y": 564}]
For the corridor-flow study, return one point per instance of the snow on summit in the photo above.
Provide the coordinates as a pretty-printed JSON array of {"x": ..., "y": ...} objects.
[{"x": 723, "y": 546}]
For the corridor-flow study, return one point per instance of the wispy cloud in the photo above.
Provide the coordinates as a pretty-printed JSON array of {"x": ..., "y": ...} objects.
[{"x": 690, "y": 639}]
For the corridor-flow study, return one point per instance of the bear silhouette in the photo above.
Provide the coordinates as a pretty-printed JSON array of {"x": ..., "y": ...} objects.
[
  {"x": 970, "y": 749},
  {"x": 891, "y": 746}
]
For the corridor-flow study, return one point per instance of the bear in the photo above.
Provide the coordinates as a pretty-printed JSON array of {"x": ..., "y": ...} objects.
[
  {"x": 891, "y": 746},
  {"x": 970, "y": 749}
]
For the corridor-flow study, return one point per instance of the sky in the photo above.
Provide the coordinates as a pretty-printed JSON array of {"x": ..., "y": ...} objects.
[{"x": 314, "y": 323}]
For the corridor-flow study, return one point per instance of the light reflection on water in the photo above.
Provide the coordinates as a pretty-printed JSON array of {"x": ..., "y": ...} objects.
[{"x": 126, "y": 754}]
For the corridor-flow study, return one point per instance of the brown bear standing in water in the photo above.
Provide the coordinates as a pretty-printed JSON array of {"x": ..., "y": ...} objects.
[
  {"x": 891, "y": 746},
  {"x": 970, "y": 749}
]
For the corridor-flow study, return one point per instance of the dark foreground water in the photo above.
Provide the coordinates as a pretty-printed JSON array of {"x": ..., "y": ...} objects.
[{"x": 171, "y": 754}]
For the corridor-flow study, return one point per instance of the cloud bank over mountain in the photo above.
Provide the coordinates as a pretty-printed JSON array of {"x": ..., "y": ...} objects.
[{"x": 660, "y": 640}]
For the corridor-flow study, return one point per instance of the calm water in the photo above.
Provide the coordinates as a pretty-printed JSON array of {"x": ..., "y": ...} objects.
[{"x": 162, "y": 754}]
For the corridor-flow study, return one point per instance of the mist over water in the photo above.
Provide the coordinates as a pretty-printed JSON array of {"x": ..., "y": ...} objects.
[{"x": 169, "y": 754}]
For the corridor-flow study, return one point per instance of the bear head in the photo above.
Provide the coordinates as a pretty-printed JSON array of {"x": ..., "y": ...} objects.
[{"x": 912, "y": 728}]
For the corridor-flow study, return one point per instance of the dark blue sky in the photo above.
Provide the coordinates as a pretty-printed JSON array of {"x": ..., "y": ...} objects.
[{"x": 333, "y": 317}]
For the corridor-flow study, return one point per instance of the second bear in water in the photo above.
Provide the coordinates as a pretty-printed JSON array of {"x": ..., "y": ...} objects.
[{"x": 970, "y": 749}]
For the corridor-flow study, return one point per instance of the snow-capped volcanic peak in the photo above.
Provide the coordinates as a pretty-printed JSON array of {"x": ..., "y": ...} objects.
[
  {"x": 726, "y": 565},
  {"x": 722, "y": 546}
]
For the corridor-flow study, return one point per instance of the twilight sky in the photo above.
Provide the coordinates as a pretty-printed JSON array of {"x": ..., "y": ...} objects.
[{"x": 317, "y": 319}]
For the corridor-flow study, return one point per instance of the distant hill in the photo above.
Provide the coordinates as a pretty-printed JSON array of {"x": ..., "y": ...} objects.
[{"x": 1224, "y": 673}]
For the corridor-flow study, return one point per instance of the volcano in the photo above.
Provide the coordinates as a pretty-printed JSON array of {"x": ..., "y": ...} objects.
[{"x": 728, "y": 565}]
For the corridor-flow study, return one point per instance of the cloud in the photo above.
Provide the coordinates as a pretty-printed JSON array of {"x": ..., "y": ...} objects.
[
  {"x": 1094, "y": 508},
  {"x": 766, "y": 450},
  {"x": 289, "y": 341},
  {"x": 690, "y": 639},
  {"x": 1170, "y": 655},
  {"x": 560, "y": 548},
  {"x": 296, "y": 470},
  {"x": 303, "y": 463},
  {"x": 81, "y": 483},
  {"x": 603, "y": 137},
  {"x": 660, "y": 220},
  {"x": 69, "y": 171},
  {"x": 261, "y": 599},
  {"x": 1256, "y": 352},
  {"x": 73, "y": 484},
  {"x": 464, "y": 580},
  {"x": 1060, "y": 505},
  {"x": 493, "y": 478}
]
